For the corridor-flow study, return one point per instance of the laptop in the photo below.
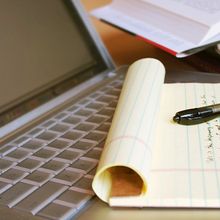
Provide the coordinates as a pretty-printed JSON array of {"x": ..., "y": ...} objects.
[{"x": 58, "y": 92}]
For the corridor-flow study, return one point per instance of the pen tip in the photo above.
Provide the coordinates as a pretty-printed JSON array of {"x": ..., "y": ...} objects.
[{"x": 176, "y": 118}]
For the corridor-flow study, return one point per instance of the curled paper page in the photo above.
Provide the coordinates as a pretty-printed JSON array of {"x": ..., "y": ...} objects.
[{"x": 123, "y": 171}]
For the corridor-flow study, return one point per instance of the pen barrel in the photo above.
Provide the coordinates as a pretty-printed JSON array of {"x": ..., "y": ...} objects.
[
  {"x": 197, "y": 115},
  {"x": 216, "y": 108},
  {"x": 203, "y": 112}
]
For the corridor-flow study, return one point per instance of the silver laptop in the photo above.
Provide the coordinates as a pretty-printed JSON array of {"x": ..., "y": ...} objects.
[{"x": 58, "y": 92}]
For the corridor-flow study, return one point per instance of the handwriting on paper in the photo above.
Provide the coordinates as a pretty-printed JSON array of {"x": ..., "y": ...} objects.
[{"x": 212, "y": 150}]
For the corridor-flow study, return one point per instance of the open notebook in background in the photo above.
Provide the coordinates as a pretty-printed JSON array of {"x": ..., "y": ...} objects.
[
  {"x": 178, "y": 27},
  {"x": 168, "y": 165}
]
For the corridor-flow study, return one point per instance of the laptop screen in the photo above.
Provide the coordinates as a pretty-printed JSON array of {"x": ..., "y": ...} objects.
[{"x": 42, "y": 44}]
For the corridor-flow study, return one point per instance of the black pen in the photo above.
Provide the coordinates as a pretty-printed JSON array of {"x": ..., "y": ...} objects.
[{"x": 197, "y": 115}]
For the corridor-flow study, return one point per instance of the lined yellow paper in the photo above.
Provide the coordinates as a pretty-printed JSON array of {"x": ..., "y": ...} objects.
[
  {"x": 179, "y": 166},
  {"x": 185, "y": 169},
  {"x": 130, "y": 137}
]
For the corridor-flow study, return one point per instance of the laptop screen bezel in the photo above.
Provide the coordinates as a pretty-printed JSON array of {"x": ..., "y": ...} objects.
[{"x": 102, "y": 57}]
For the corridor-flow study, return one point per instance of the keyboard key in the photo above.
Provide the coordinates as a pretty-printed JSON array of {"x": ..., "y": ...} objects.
[
  {"x": 114, "y": 92},
  {"x": 33, "y": 145},
  {"x": 92, "y": 172},
  {"x": 16, "y": 193},
  {"x": 73, "y": 108},
  {"x": 21, "y": 140},
  {"x": 53, "y": 166},
  {"x": 94, "y": 154},
  {"x": 82, "y": 145},
  {"x": 109, "y": 120},
  {"x": 48, "y": 123},
  {"x": 67, "y": 177},
  {"x": 44, "y": 155},
  {"x": 84, "y": 184},
  {"x": 58, "y": 144},
  {"x": 56, "y": 211},
  {"x": 47, "y": 136},
  {"x": 105, "y": 89},
  {"x": 100, "y": 145},
  {"x": 6, "y": 149},
  {"x": 84, "y": 101},
  {"x": 95, "y": 105},
  {"x": 35, "y": 131},
  {"x": 95, "y": 136},
  {"x": 105, "y": 99},
  {"x": 72, "y": 135},
  {"x": 4, "y": 186},
  {"x": 29, "y": 165},
  {"x": 41, "y": 197},
  {"x": 116, "y": 83},
  {"x": 60, "y": 128},
  {"x": 84, "y": 112},
  {"x": 37, "y": 178},
  {"x": 113, "y": 104},
  {"x": 106, "y": 112},
  {"x": 84, "y": 165},
  {"x": 5, "y": 165},
  {"x": 95, "y": 94},
  {"x": 12, "y": 176},
  {"x": 119, "y": 86},
  {"x": 96, "y": 119},
  {"x": 104, "y": 127},
  {"x": 85, "y": 127},
  {"x": 17, "y": 155},
  {"x": 72, "y": 120},
  {"x": 68, "y": 156},
  {"x": 72, "y": 198},
  {"x": 61, "y": 115}
]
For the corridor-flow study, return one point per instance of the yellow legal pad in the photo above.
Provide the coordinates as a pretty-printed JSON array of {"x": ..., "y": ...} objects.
[{"x": 150, "y": 161}]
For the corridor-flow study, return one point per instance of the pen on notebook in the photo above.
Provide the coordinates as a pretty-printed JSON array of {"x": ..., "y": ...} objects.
[{"x": 197, "y": 115}]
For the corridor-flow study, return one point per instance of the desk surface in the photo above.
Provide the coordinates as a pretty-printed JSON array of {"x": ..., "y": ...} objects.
[{"x": 125, "y": 48}]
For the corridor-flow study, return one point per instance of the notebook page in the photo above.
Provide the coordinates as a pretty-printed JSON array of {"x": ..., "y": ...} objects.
[
  {"x": 130, "y": 137},
  {"x": 185, "y": 170},
  {"x": 186, "y": 159}
]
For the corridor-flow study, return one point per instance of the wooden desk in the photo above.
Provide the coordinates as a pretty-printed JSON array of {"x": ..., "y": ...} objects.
[{"x": 125, "y": 48}]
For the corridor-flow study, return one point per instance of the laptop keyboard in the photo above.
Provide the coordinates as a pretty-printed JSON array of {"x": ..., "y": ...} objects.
[{"x": 48, "y": 171}]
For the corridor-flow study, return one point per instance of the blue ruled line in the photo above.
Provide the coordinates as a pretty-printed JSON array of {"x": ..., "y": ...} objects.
[
  {"x": 214, "y": 153},
  {"x": 188, "y": 154},
  {"x": 129, "y": 94},
  {"x": 201, "y": 152},
  {"x": 145, "y": 76},
  {"x": 143, "y": 114}
]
